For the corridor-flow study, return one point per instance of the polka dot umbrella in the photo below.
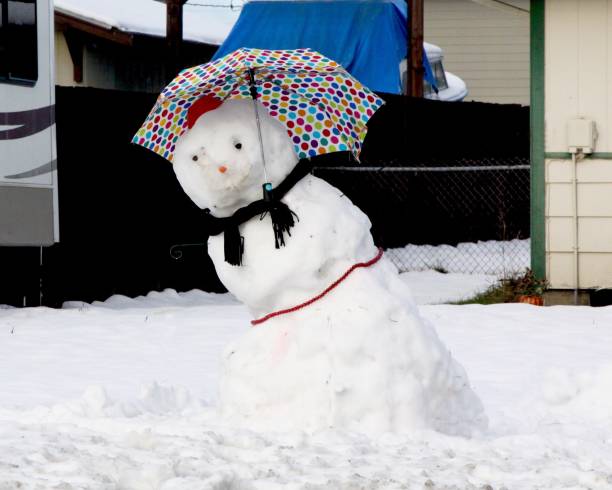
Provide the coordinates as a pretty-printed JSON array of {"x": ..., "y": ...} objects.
[{"x": 322, "y": 106}]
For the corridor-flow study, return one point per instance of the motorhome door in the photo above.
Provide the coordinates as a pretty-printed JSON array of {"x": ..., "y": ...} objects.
[{"x": 28, "y": 166}]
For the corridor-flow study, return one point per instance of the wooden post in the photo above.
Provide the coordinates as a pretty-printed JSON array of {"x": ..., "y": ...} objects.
[
  {"x": 174, "y": 35},
  {"x": 414, "y": 62},
  {"x": 75, "y": 43}
]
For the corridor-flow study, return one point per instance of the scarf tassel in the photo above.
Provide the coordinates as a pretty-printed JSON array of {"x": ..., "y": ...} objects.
[
  {"x": 282, "y": 222},
  {"x": 283, "y": 219},
  {"x": 233, "y": 245}
]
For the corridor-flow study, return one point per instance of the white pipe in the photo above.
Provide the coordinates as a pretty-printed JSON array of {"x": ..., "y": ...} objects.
[{"x": 576, "y": 227}]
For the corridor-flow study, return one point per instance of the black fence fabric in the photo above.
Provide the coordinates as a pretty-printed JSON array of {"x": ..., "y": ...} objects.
[
  {"x": 122, "y": 209},
  {"x": 448, "y": 205},
  {"x": 437, "y": 173}
]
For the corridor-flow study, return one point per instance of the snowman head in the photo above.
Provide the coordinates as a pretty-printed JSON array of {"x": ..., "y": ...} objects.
[{"x": 218, "y": 161}]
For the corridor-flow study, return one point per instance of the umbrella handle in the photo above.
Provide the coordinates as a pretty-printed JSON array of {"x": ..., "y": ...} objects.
[
  {"x": 253, "y": 89},
  {"x": 267, "y": 192},
  {"x": 177, "y": 254},
  {"x": 252, "y": 86}
]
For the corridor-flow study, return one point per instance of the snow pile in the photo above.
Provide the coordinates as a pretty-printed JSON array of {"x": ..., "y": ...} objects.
[
  {"x": 499, "y": 258},
  {"x": 576, "y": 394},
  {"x": 167, "y": 297},
  {"x": 153, "y": 399},
  {"x": 361, "y": 358},
  {"x": 210, "y": 23}
]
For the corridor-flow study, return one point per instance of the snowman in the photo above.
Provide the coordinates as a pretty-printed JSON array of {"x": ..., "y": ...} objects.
[{"x": 339, "y": 342}]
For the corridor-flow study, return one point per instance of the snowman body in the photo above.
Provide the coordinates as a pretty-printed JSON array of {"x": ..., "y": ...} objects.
[{"x": 359, "y": 358}]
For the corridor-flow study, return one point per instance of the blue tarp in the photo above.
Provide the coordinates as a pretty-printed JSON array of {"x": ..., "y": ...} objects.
[{"x": 366, "y": 37}]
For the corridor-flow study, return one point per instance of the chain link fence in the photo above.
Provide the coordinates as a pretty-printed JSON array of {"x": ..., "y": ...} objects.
[{"x": 460, "y": 215}]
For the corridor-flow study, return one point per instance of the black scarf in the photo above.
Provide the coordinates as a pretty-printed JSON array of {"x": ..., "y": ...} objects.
[{"x": 282, "y": 217}]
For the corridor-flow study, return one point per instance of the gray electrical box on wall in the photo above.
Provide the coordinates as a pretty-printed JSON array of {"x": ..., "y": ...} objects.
[{"x": 581, "y": 135}]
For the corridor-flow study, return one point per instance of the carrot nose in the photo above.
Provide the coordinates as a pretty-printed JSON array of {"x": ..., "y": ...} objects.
[{"x": 222, "y": 169}]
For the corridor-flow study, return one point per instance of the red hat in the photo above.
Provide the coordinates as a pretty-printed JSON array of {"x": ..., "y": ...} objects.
[{"x": 200, "y": 106}]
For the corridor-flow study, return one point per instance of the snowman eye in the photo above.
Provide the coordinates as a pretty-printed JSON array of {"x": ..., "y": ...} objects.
[
  {"x": 238, "y": 146},
  {"x": 194, "y": 158}
]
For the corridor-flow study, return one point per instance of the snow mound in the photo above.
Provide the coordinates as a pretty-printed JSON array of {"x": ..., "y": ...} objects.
[
  {"x": 499, "y": 258},
  {"x": 579, "y": 393},
  {"x": 157, "y": 299},
  {"x": 161, "y": 400},
  {"x": 153, "y": 399}
]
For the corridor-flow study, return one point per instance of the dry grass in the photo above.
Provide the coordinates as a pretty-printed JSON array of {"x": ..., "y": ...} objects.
[{"x": 509, "y": 289}]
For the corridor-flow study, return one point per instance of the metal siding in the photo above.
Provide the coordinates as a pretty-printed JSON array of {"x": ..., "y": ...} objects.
[
  {"x": 592, "y": 87},
  {"x": 578, "y": 84},
  {"x": 595, "y": 270},
  {"x": 488, "y": 48},
  {"x": 559, "y": 234},
  {"x": 26, "y": 216},
  {"x": 561, "y": 70},
  {"x": 560, "y": 270},
  {"x": 577, "y": 59}
]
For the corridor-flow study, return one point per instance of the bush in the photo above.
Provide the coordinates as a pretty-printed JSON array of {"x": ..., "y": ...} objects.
[{"x": 509, "y": 289}]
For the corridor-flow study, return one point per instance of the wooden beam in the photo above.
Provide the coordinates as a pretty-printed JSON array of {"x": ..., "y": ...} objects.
[
  {"x": 75, "y": 42},
  {"x": 415, "y": 69},
  {"x": 64, "y": 22}
]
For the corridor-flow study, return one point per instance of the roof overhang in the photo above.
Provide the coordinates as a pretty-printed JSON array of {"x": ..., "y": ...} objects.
[{"x": 65, "y": 21}]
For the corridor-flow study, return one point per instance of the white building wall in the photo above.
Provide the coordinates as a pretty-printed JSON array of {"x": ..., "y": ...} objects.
[
  {"x": 578, "y": 83},
  {"x": 98, "y": 72},
  {"x": 109, "y": 69},
  {"x": 63, "y": 63},
  {"x": 487, "y": 47}
]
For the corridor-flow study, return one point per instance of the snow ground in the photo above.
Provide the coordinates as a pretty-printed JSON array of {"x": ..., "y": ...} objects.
[
  {"x": 121, "y": 395},
  {"x": 433, "y": 287}
]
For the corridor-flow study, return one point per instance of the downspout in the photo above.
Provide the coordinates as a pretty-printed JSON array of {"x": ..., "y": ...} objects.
[{"x": 575, "y": 222}]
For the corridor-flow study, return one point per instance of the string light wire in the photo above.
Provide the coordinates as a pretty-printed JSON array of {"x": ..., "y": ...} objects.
[{"x": 231, "y": 5}]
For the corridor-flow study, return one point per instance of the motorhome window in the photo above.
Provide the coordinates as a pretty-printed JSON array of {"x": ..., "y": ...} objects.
[
  {"x": 439, "y": 76},
  {"x": 18, "y": 41},
  {"x": 438, "y": 71},
  {"x": 427, "y": 88}
]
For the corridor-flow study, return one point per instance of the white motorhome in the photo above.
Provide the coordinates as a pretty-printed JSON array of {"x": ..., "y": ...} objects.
[
  {"x": 449, "y": 87},
  {"x": 28, "y": 164}
]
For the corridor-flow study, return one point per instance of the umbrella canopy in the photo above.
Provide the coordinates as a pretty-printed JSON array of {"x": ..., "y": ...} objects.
[{"x": 323, "y": 108}]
